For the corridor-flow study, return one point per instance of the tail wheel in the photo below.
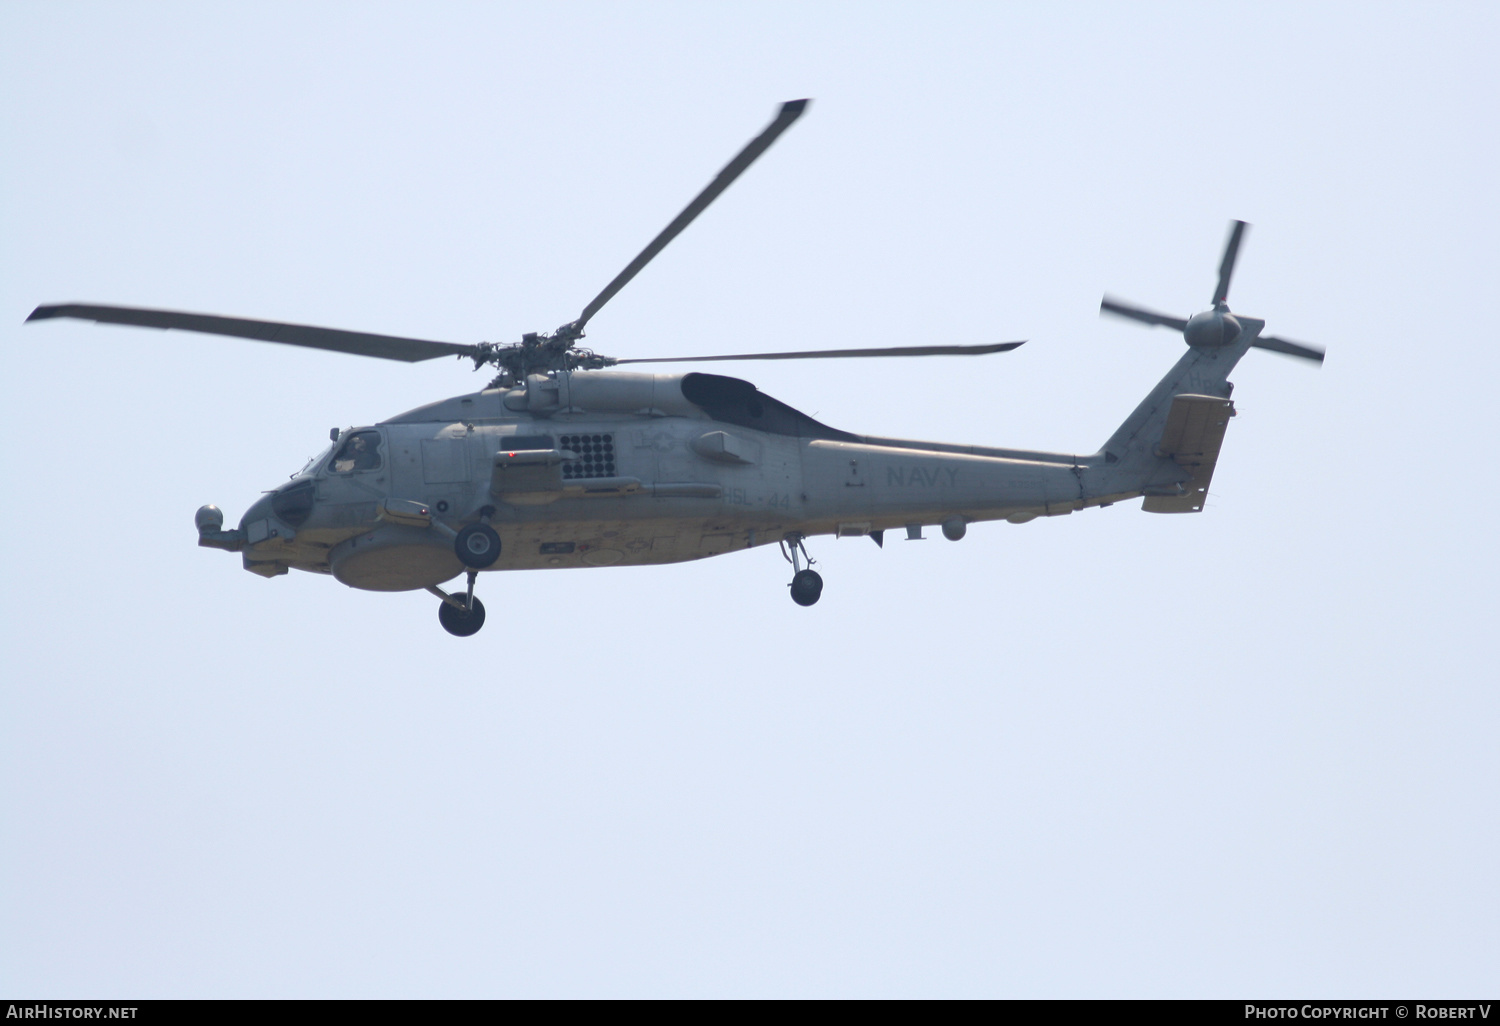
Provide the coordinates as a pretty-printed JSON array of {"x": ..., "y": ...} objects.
[
  {"x": 461, "y": 622},
  {"x": 477, "y": 546}
]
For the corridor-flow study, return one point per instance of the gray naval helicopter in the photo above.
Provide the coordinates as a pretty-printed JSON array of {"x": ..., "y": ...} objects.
[{"x": 558, "y": 463}]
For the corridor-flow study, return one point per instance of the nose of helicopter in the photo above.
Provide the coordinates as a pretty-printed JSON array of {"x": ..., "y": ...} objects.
[
  {"x": 260, "y": 524},
  {"x": 260, "y": 509},
  {"x": 278, "y": 514}
]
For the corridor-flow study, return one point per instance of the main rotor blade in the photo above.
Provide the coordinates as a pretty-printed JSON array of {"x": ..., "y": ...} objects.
[
  {"x": 821, "y": 354},
  {"x": 1281, "y": 345},
  {"x": 1136, "y": 313},
  {"x": 386, "y": 347},
  {"x": 790, "y": 112},
  {"x": 1226, "y": 266}
]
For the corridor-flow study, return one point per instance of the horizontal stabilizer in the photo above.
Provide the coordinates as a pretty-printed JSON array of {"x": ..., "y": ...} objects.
[{"x": 1193, "y": 434}]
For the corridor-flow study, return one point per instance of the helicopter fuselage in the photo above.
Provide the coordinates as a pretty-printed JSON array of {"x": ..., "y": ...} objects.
[{"x": 589, "y": 469}]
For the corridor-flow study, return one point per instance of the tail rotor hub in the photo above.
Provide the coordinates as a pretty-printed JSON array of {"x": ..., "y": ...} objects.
[
  {"x": 1212, "y": 328},
  {"x": 1215, "y": 328}
]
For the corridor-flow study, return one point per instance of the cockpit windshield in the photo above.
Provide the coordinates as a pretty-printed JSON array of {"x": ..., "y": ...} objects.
[
  {"x": 359, "y": 451},
  {"x": 310, "y": 465}
]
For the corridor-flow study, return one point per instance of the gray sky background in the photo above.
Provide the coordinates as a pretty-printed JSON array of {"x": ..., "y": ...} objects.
[{"x": 1247, "y": 752}]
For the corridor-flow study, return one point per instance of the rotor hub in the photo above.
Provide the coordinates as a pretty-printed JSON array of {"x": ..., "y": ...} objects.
[
  {"x": 1215, "y": 328},
  {"x": 1212, "y": 328},
  {"x": 538, "y": 353}
]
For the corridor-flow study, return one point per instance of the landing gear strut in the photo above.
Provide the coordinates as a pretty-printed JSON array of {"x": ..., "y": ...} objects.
[
  {"x": 807, "y": 584},
  {"x": 461, "y": 616}
]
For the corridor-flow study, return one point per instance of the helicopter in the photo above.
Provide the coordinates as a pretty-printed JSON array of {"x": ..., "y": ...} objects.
[{"x": 561, "y": 462}]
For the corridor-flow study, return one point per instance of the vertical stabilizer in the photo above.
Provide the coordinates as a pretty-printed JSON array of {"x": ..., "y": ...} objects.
[
  {"x": 1191, "y": 439},
  {"x": 1202, "y": 372}
]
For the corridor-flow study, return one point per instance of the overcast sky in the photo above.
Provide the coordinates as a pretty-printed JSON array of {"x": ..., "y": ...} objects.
[{"x": 1246, "y": 752}]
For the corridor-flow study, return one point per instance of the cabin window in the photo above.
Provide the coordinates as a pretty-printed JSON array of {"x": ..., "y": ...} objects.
[
  {"x": 360, "y": 451},
  {"x": 525, "y": 443}
]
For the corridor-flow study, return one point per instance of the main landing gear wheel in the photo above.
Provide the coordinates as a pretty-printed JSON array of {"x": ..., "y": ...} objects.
[
  {"x": 807, "y": 583},
  {"x": 477, "y": 546},
  {"x": 461, "y": 622},
  {"x": 807, "y": 587}
]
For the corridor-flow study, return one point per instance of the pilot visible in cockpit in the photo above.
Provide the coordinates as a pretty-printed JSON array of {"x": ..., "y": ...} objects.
[{"x": 359, "y": 452}]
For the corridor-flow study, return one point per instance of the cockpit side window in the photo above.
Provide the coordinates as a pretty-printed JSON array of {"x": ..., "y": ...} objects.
[{"x": 359, "y": 451}]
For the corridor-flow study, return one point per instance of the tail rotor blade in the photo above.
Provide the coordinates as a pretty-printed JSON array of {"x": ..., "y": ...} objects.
[
  {"x": 1281, "y": 345},
  {"x": 1136, "y": 313},
  {"x": 1226, "y": 266}
]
